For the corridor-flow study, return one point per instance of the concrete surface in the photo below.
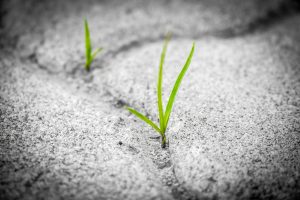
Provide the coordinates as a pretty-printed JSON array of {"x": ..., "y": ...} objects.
[{"x": 233, "y": 133}]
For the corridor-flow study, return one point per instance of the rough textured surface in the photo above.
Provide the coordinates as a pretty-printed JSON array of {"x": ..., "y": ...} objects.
[{"x": 234, "y": 131}]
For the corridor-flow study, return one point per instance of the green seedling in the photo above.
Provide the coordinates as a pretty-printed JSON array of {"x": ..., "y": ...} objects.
[
  {"x": 89, "y": 54},
  {"x": 165, "y": 115}
]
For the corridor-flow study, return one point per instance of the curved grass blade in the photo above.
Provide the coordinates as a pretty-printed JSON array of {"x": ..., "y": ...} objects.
[
  {"x": 144, "y": 118},
  {"x": 159, "y": 84},
  {"x": 176, "y": 86},
  {"x": 96, "y": 52}
]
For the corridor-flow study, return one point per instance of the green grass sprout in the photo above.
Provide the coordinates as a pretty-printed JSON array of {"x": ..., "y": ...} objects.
[
  {"x": 89, "y": 54},
  {"x": 165, "y": 115}
]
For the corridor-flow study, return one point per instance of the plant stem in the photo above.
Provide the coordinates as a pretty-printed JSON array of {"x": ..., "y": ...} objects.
[
  {"x": 163, "y": 140},
  {"x": 87, "y": 66}
]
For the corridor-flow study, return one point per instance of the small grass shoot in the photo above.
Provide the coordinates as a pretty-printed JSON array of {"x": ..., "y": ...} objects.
[
  {"x": 165, "y": 115},
  {"x": 89, "y": 54}
]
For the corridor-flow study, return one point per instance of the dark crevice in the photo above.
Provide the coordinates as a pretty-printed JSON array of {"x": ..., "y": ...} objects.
[
  {"x": 139, "y": 42},
  {"x": 120, "y": 103},
  {"x": 272, "y": 17},
  {"x": 34, "y": 60},
  {"x": 165, "y": 166},
  {"x": 31, "y": 182},
  {"x": 114, "y": 100},
  {"x": 179, "y": 192}
]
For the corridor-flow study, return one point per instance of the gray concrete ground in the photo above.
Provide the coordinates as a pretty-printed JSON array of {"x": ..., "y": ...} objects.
[{"x": 234, "y": 131}]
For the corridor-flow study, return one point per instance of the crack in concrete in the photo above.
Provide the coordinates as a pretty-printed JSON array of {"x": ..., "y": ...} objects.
[
  {"x": 169, "y": 178},
  {"x": 34, "y": 60}
]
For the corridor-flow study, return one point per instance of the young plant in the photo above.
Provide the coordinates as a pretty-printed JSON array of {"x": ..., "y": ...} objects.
[
  {"x": 89, "y": 55},
  {"x": 165, "y": 115}
]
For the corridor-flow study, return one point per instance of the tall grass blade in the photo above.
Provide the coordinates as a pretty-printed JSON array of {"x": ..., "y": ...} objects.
[
  {"x": 176, "y": 86},
  {"x": 144, "y": 118},
  {"x": 159, "y": 84},
  {"x": 88, "y": 46}
]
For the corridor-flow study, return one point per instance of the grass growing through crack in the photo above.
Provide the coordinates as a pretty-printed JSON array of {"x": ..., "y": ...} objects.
[
  {"x": 89, "y": 54},
  {"x": 165, "y": 115}
]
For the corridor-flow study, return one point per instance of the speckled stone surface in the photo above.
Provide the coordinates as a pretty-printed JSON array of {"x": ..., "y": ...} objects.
[{"x": 234, "y": 132}]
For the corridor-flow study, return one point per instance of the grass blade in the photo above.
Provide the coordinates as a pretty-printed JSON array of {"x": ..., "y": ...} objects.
[
  {"x": 176, "y": 86},
  {"x": 144, "y": 118},
  {"x": 88, "y": 46},
  {"x": 159, "y": 84},
  {"x": 96, "y": 52}
]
